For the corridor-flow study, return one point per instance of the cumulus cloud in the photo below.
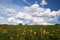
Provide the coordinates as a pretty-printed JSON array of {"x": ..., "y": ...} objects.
[
  {"x": 41, "y": 15},
  {"x": 8, "y": 11},
  {"x": 25, "y": 16},
  {"x": 32, "y": 8},
  {"x": 33, "y": 15},
  {"x": 11, "y": 19},
  {"x": 43, "y": 2}
]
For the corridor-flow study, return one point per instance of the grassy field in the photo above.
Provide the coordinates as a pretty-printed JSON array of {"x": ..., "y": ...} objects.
[{"x": 29, "y": 32}]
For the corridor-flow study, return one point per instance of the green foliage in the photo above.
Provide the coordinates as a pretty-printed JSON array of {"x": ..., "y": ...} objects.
[{"x": 29, "y": 32}]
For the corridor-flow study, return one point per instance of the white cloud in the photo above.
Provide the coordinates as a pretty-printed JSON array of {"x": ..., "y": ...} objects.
[
  {"x": 32, "y": 15},
  {"x": 32, "y": 8},
  {"x": 24, "y": 16},
  {"x": 42, "y": 15},
  {"x": 43, "y": 2},
  {"x": 9, "y": 11},
  {"x": 19, "y": 21},
  {"x": 11, "y": 19}
]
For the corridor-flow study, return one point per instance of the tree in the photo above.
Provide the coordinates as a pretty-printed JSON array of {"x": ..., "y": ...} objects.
[{"x": 20, "y": 23}]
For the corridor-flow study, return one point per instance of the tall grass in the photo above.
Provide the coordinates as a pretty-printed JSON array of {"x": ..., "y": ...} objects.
[{"x": 29, "y": 32}]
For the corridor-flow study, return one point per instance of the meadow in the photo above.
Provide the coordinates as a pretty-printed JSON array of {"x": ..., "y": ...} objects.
[{"x": 29, "y": 32}]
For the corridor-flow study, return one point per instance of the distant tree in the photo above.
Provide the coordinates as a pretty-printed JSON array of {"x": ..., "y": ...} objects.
[
  {"x": 20, "y": 23},
  {"x": 5, "y": 24},
  {"x": 57, "y": 24},
  {"x": 25, "y": 24}
]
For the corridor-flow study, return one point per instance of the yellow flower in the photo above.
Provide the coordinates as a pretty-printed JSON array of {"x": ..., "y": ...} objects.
[
  {"x": 23, "y": 33},
  {"x": 51, "y": 34},
  {"x": 11, "y": 37},
  {"x": 34, "y": 33},
  {"x": 31, "y": 30},
  {"x": 41, "y": 29},
  {"x": 5, "y": 31},
  {"x": 47, "y": 32},
  {"x": 17, "y": 35},
  {"x": 44, "y": 31}
]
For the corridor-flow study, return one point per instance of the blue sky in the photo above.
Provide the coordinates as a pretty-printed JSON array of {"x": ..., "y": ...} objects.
[
  {"x": 41, "y": 12},
  {"x": 53, "y": 4}
]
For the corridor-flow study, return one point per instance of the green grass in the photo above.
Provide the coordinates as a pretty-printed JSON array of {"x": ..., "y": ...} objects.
[{"x": 29, "y": 32}]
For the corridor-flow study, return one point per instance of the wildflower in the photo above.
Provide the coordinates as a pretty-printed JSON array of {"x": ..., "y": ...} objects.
[
  {"x": 17, "y": 35},
  {"x": 23, "y": 33},
  {"x": 11, "y": 37},
  {"x": 34, "y": 33},
  {"x": 40, "y": 29},
  {"x": 51, "y": 34},
  {"x": 5, "y": 31},
  {"x": 44, "y": 31},
  {"x": 47, "y": 32},
  {"x": 31, "y": 30}
]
